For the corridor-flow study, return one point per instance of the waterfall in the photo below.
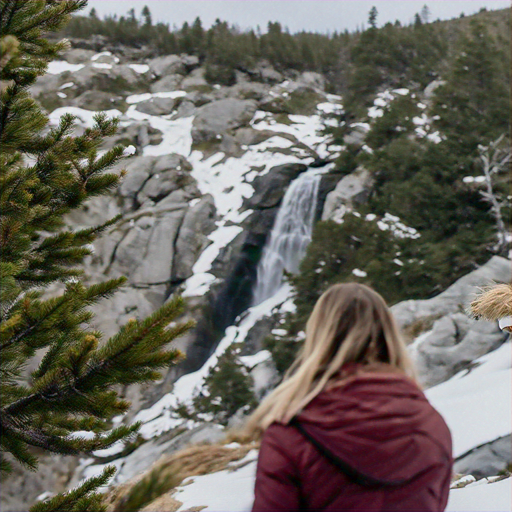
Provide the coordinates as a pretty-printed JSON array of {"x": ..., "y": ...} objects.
[{"x": 290, "y": 235}]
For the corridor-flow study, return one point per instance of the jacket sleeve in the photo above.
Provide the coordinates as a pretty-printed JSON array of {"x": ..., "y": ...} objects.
[{"x": 277, "y": 483}]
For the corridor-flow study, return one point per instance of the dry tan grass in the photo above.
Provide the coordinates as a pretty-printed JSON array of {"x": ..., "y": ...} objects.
[
  {"x": 492, "y": 303},
  {"x": 419, "y": 326},
  {"x": 173, "y": 469}
]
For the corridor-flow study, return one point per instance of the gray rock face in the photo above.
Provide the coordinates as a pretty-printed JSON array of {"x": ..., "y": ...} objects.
[
  {"x": 265, "y": 377},
  {"x": 21, "y": 488},
  {"x": 219, "y": 116},
  {"x": 153, "y": 178},
  {"x": 94, "y": 100},
  {"x": 457, "y": 296},
  {"x": 167, "y": 83},
  {"x": 157, "y": 106},
  {"x": 431, "y": 87},
  {"x": 356, "y": 137},
  {"x": 78, "y": 56},
  {"x": 313, "y": 80},
  {"x": 453, "y": 343},
  {"x": 486, "y": 460},
  {"x": 269, "y": 188},
  {"x": 166, "y": 65},
  {"x": 92, "y": 78},
  {"x": 194, "y": 79},
  {"x": 198, "y": 223},
  {"x": 351, "y": 190},
  {"x": 454, "y": 340},
  {"x": 144, "y": 456}
]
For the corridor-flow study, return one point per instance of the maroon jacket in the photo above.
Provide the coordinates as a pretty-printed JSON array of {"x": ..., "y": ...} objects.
[{"x": 382, "y": 431}]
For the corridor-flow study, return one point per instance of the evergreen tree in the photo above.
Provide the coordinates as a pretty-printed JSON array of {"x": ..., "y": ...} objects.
[
  {"x": 372, "y": 17},
  {"x": 44, "y": 174},
  {"x": 146, "y": 16}
]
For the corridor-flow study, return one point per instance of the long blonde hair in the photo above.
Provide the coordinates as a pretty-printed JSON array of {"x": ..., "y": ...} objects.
[{"x": 349, "y": 323}]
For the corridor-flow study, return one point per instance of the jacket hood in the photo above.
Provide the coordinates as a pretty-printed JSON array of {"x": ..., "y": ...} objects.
[{"x": 380, "y": 424}]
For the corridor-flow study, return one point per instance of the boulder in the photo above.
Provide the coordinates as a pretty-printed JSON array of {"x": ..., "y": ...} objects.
[
  {"x": 185, "y": 109},
  {"x": 78, "y": 56},
  {"x": 195, "y": 79},
  {"x": 217, "y": 117},
  {"x": 265, "y": 378},
  {"x": 351, "y": 190},
  {"x": 453, "y": 343},
  {"x": 141, "y": 170},
  {"x": 487, "y": 460},
  {"x": 264, "y": 72},
  {"x": 146, "y": 251},
  {"x": 167, "y": 83},
  {"x": 270, "y": 188},
  {"x": 166, "y": 65},
  {"x": 46, "y": 84},
  {"x": 314, "y": 80},
  {"x": 22, "y": 487},
  {"x": 448, "y": 340},
  {"x": 248, "y": 91},
  {"x": 117, "y": 78},
  {"x": 431, "y": 87},
  {"x": 157, "y": 106},
  {"x": 94, "y": 100},
  {"x": 457, "y": 296},
  {"x": 198, "y": 223},
  {"x": 190, "y": 62},
  {"x": 357, "y": 136}
]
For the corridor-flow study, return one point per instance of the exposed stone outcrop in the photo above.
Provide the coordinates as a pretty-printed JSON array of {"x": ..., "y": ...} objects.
[
  {"x": 452, "y": 340},
  {"x": 350, "y": 191},
  {"x": 487, "y": 460},
  {"x": 217, "y": 117},
  {"x": 167, "y": 83},
  {"x": 166, "y": 65},
  {"x": 157, "y": 106}
]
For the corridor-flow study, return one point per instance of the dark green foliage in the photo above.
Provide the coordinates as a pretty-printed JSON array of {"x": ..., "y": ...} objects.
[
  {"x": 283, "y": 348},
  {"x": 45, "y": 174},
  {"x": 228, "y": 388},
  {"x": 153, "y": 485}
]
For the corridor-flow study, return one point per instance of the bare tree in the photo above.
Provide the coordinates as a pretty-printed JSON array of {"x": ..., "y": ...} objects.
[{"x": 495, "y": 159}]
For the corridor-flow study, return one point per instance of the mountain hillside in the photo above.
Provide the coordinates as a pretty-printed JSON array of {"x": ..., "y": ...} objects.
[{"x": 257, "y": 174}]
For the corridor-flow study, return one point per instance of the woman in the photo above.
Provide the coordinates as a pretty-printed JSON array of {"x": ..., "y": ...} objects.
[{"x": 349, "y": 429}]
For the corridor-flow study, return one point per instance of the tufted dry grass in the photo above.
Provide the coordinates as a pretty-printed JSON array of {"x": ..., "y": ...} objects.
[
  {"x": 152, "y": 490},
  {"x": 493, "y": 302}
]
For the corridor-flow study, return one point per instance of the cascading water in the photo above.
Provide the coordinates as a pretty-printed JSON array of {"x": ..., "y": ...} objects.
[{"x": 290, "y": 235}]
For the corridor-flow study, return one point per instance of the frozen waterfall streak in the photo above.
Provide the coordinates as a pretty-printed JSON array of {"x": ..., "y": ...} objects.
[{"x": 290, "y": 235}]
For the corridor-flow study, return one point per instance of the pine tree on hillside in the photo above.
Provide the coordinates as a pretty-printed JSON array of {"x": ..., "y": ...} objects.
[{"x": 44, "y": 174}]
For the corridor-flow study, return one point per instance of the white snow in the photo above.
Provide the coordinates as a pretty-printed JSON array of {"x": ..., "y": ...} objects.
[
  {"x": 61, "y": 94},
  {"x": 129, "y": 150},
  {"x": 160, "y": 417},
  {"x": 252, "y": 361},
  {"x": 139, "y": 68},
  {"x": 359, "y": 273},
  {"x": 104, "y": 54},
  {"x": 66, "y": 85},
  {"x": 85, "y": 117},
  {"x": 102, "y": 65},
  {"x": 56, "y": 67},
  {"x": 393, "y": 223},
  {"x": 482, "y": 496},
  {"x": 477, "y": 406},
  {"x": 222, "y": 491},
  {"x": 137, "y": 98},
  {"x": 473, "y": 179}
]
